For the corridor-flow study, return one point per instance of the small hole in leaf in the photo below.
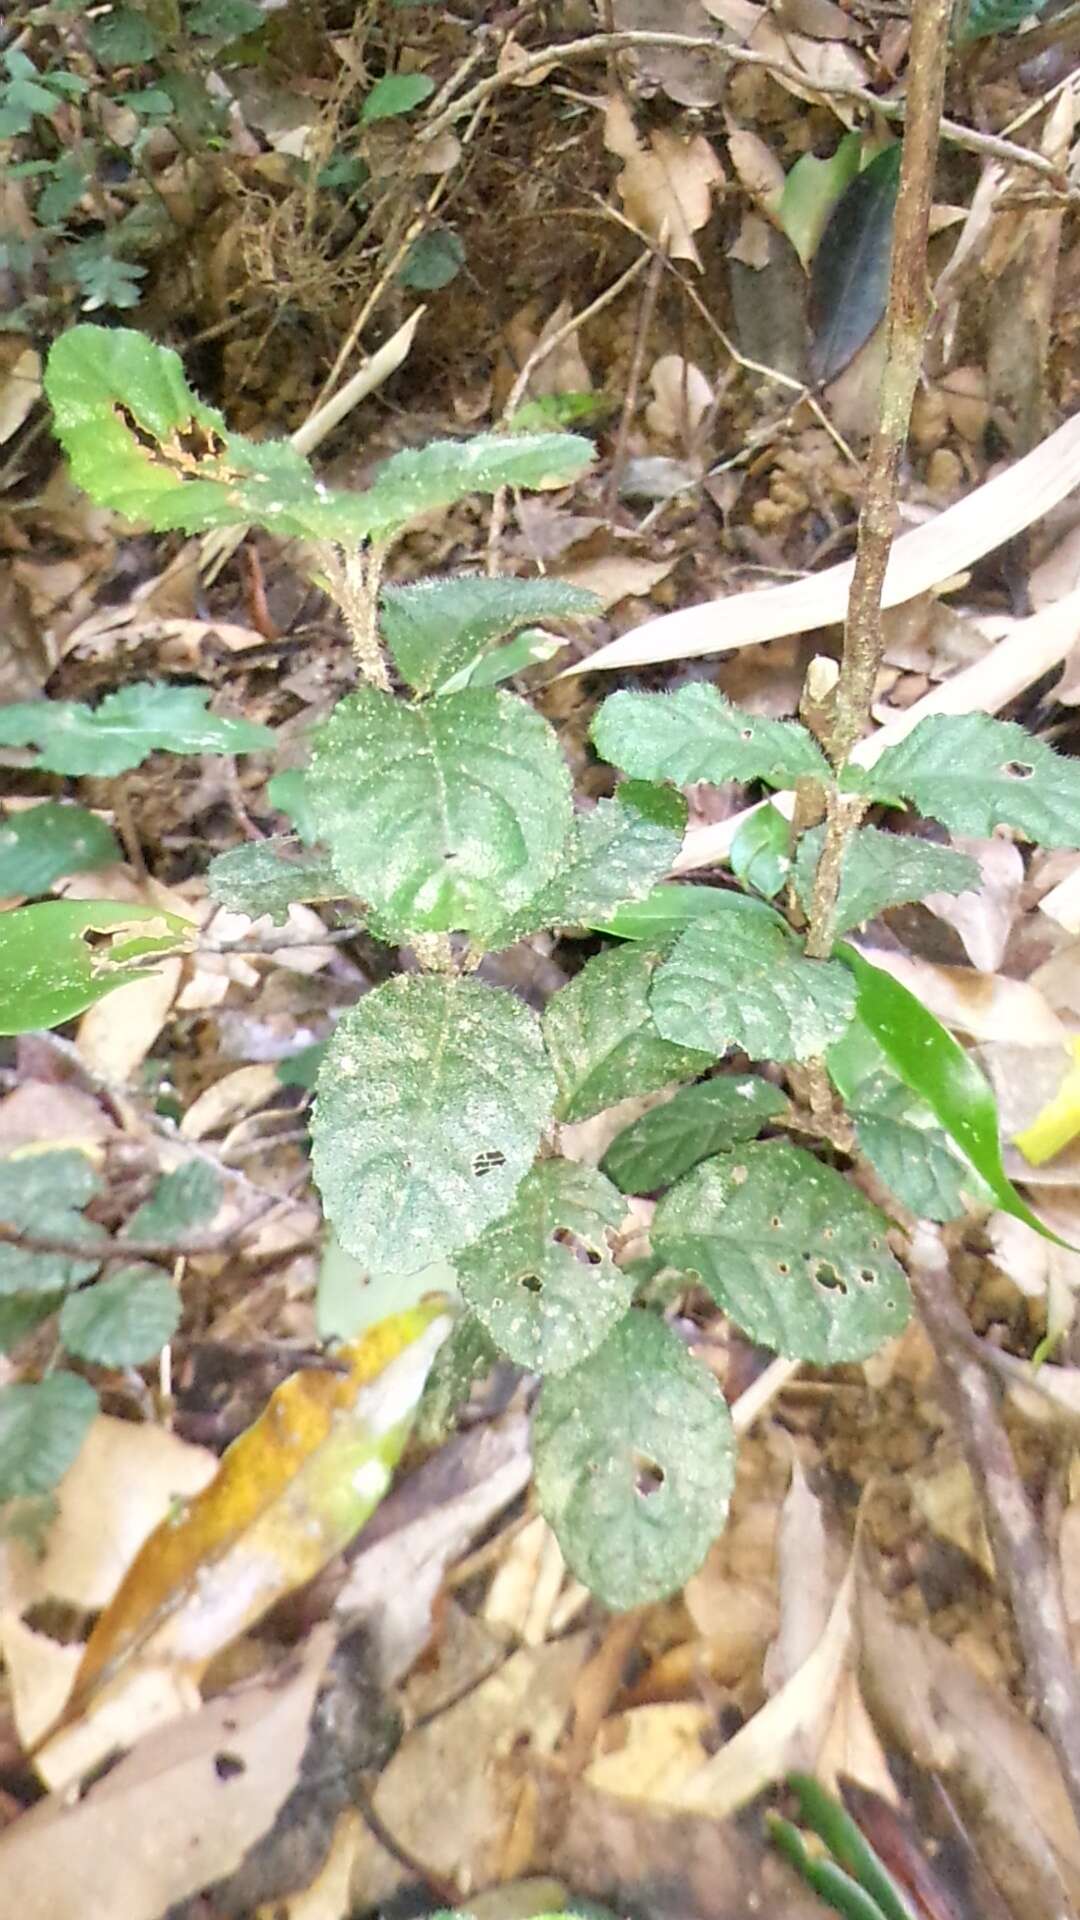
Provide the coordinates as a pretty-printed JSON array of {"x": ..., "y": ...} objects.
[
  {"x": 828, "y": 1233},
  {"x": 648, "y": 1475},
  {"x": 783, "y": 1269},
  {"x": 1017, "y": 770},
  {"x": 867, "y": 1276},
  {"x": 581, "y": 1250},
  {"x": 826, "y": 1275},
  {"x": 531, "y": 1282},
  {"x": 488, "y": 1161},
  {"x": 775, "y": 1223},
  {"x": 228, "y": 1766},
  {"x": 746, "y": 733}
]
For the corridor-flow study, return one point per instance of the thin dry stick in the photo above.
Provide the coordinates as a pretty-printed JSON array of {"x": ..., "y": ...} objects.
[
  {"x": 908, "y": 318},
  {"x": 1019, "y": 1550},
  {"x": 633, "y": 380}
]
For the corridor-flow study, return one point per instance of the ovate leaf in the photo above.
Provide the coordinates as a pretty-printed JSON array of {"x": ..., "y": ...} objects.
[
  {"x": 897, "y": 1134},
  {"x": 666, "y": 1142},
  {"x": 259, "y": 878},
  {"x": 935, "y": 1066},
  {"x": 974, "y": 774},
  {"x": 448, "y": 816},
  {"x": 434, "y": 628},
  {"x": 395, "y": 93},
  {"x": 744, "y": 982},
  {"x": 602, "y": 1040},
  {"x": 49, "y": 972},
  {"x": 434, "y": 259},
  {"x": 40, "y": 845},
  {"x": 614, "y": 855},
  {"x": 431, "y": 1102},
  {"x": 694, "y": 734},
  {"x": 760, "y": 853},
  {"x": 129, "y": 724},
  {"x": 883, "y": 870},
  {"x": 541, "y": 1280},
  {"x": 122, "y": 1321},
  {"x": 186, "y": 1198},
  {"x": 669, "y": 909},
  {"x": 45, "y": 1191},
  {"x": 634, "y": 1461},
  {"x": 415, "y": 481},
  {"x": 790, "y": 1249},
  {"x": 811, "y": 191},
  {"x": 42, "y": 1428},
  {"x": 849, "y": 278}
]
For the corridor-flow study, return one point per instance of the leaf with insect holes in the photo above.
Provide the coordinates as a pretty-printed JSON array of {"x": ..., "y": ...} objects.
[
  {"x": 614, "y": 855},
  {"x": 745, "y": 982},
  {"x": 48, "y": 841},
  {"x": 667, "y": 1141},
  {"x": 602, "y": 1040},
  {"x": 140, "y": 441},
  {"x": 883, "y": 870},
  {"x": 434, "y": 628},
  {"x": 789, "y": 1248},
  {"x": 635, "y": 1461},
  {"x": 694, "y": 734},
  {"x": 49, "y": 972},
  {"x": 541, "y": 1280},
  {"x": 42, "y": 1427},
  {"x": 125, "y": 728},
  {"x": 974, "y": 774},
  {"x": 444, "y": 817},
  {"x": 431, "y": 1102},
  {"x": 260, "y": 878},
  {"x": 122, "y": 1321}
]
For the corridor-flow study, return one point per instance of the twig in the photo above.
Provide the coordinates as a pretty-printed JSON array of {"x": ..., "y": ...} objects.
[
  {"x": 1019, "y": 1550},
  {"x": 633, "y": 379},
  {"x": 908, "y": 317}
]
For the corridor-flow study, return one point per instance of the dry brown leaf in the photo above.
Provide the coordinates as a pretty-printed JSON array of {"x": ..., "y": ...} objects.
[
  {"x": 753, "y": 244},
  {"x": 667, "y": 186},
  {"x": 231, "y": 1098},
  {"x": 116, "y": 1035},
  {"x": 650, "y": 1752},
  {"x": 617, "y": 576},
  {"x": 984, "y": 917},
  {"x": 805, "y": 1588},
  {"x": 527, "y": 1584},
  {"x": 759, "y": 169},
  {"x": 20, "y": 384},
  {"x": 949, "y": 1503},
  {"x": 694, "y": 77},
  {"x": 168, "y": 1819},
  {"x": 682, "y": 399}
]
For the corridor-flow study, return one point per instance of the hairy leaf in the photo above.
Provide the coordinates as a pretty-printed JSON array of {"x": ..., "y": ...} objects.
[
  {"x": 614, "y": 855},
  {"x": 259, "y": 878},
  {"x": 694, "y": 734},
  {"x": 634, "y": 1460},
  {"x": 434, "y": 628},
  {"x": 746, "y": 983},
  {"x": 40, "y": 845},
  {"x": 666, "y": 1142},
  {"x": 974, "y": 774},
  {"x": 668, "y": 910},
  {"x": 541, "y": 1280},
  {"x": 444, "y": 817},
  {"x": 883, "y": 870},
  {"x": 42, "y": 1427},
  {"x": 128, "y": 725},
  {"x": 186, "y": 1198},
  {"x": 602, "y": 1040},
  {"x": 790, "y": 1249},
  {"x": 122, "y": 1321},
  {"x": 431, "y": 1102}
]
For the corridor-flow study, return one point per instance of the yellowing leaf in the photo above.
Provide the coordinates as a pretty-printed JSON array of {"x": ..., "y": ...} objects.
[
  {"x": 289, "y": 1493},
  {"x": 665, "y": 187},
  {"x": 1059, "y": 1121}
]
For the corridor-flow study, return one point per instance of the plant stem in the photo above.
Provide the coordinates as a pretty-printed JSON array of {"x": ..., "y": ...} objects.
[{"x": 907, "y": 320}]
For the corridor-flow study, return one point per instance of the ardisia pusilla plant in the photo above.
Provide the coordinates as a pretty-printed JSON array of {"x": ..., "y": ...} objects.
[{"x": 440, "y": 807}]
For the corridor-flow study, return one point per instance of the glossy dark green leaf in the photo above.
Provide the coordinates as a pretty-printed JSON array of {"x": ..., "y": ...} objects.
[
  {"x": 849, "y": 278},
  {"x": 981, "y": 18},
  {"x": 848, "y": 1845},
  {"x": 935, "y": 1066},
  {"x": 45, "y": 842}
]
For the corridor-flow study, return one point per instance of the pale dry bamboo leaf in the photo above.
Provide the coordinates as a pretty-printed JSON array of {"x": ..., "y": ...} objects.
[{"x": 921, "y": 559}]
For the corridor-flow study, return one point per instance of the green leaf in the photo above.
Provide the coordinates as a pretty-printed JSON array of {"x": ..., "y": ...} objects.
[
  {"x": 287, "y": 791},
  {"x": 224, "y": 19},
  {"x": 694, "y": 734},
  {"x": 417, "y": 480},
  {"x": 745, "y": 983},
  {"x": 897, "y": 1134},
  {"x": 122, "y": 1321},
  {"x": 24, "y": 1271},
  {"x": 394, "y": 94},
  {"x": 980, "y": 18},
  {"x": 123, "y": 37},
  {"x": 602, "y": 1040},
  {"x": 444, "y": 817},
  {"x": 935, "y": 1066},
  {"x": 634, "y": 1462},
  {"x": 848, "y": 1845},
  {"x": 301, "y": 1069},
  {"x": 532, "y": 647},
  {"x": 811, "y": 191},
  {"x": 48, "y": 971},
  {"x": 541, "y": 1280},
  {"x": 614, "y": 855},
  {"x": 433, "y": 260},
  {"x": 47, "y": 1190},
  {"x": 21, "y": 1313},
  {"x": 668, "y": 910},
  {"x": 666, "y": 1142},
  {"x": 883, "y": 870},
  {"x": 790, "y": 1249},
  {"x": 849, "y": 279},
  {"x": 833, "y": 1886},
  {"x": 40, "y": 845},
  {"x": 259, "y": 878},
  {"x": 103, "y": 279},
  {"x": 434, "y": 628},
  {"x": 974, "y": 774},
  {"x": 128, "y": 725},
  {"x": 349, "y": 1299},
  {"x": 465, "y": 1355},
  {"x": 70, "y": 179},
  {"x": 42, "y": 1428},
  {"x": 431, "y": 1102},
  {"x": 186, "y": 1198},
  {"x": 760, "y": 854}
]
